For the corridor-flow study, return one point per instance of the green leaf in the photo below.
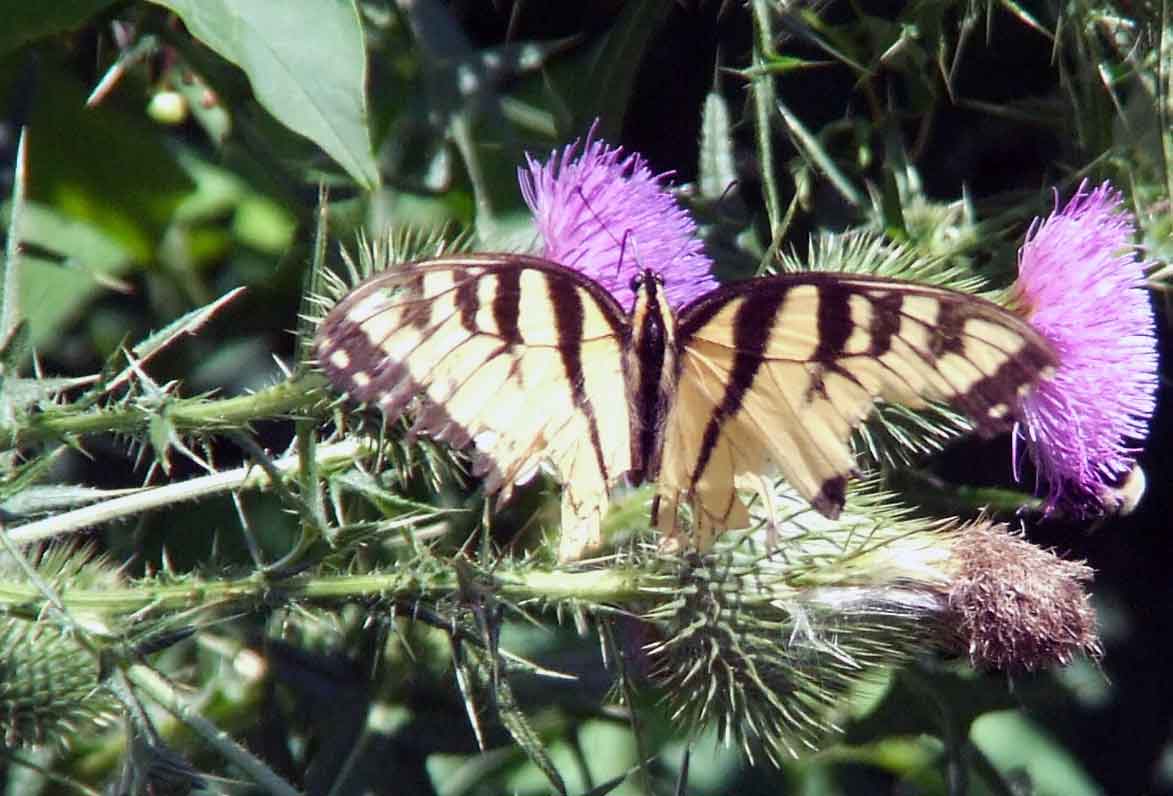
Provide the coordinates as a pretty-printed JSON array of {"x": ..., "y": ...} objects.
[
  {"x": 161, "y": 432},
  {"x": 14, "y": 332},
  {"x": 941, "y": 704},
  {"x": 24, "y": 476},
  {"x": 891, "y": 209},
  {"x": 25, "y": 22},
  {"x": 390, "y": 503},
  {"x": 306, "y": 62},
  {"x": 19, "y": 394},
  {"x": 812, "y": 149},
  {"x": 55, "y": 290},
  {"x": 102, "y": 166},
  {"x": 14, "y": 346},
  {"x": 30, "y": 501},
  {"x": 518, "y": 726},
  {"x": 155, "y": 342},
  {"x": 1013, "y": 742},
  {"x": 783, "y": 64}
]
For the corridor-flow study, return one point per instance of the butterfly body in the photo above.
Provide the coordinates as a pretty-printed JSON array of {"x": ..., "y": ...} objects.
[
  {"x": 652, "y": 372},
  {"x": 531, "y": 362}
]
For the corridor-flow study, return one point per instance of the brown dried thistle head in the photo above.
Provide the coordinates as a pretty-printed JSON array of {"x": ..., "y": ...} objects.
[{"x": 1018, "y": 607}]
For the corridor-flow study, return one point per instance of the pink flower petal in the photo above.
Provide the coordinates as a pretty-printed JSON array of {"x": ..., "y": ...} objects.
[
  {"x": 1083, "y": 288},
  {"x": 606, "y": 215}
]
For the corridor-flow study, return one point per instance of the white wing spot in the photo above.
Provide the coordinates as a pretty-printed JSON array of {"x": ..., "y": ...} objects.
[
  {"x": 527, "y": 473},
  {"x": 360, "y": 378},
  {"x": 369, "y": 305},
  {"x": 340, "y": 359}
]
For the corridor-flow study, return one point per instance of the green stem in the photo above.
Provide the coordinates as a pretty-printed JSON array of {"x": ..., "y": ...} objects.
[
  {"x": 187, "y": 414},
  {"x": 165, "y": 694},
  {"x": 10, "y": 272},
  {"x": 762, "y": 90},
  {"x": 593, "y": 586},
  {"x": 328, "y": 457}
]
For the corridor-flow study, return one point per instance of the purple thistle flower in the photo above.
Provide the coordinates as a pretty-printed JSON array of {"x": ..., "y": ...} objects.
[
  {"x": 1082, "y": 287},
  {"x": 607, "y": 216}
]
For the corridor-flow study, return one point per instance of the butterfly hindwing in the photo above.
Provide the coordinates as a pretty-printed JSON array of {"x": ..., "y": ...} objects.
[
  {"x": 775, "y": 374},
  {"x": 515, "y": 355}
]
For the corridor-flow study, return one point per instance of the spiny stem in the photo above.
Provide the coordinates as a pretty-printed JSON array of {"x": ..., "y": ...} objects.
[
  {"x": 250, "y": 476},
  {"x": 187, "y": 414},
  {"x": 763, "y": 106},
  {"x": 592, "y": 586}
]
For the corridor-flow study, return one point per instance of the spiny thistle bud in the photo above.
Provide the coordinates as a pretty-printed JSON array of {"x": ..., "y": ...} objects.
[
  {"x": 768, "y": 646},
  {"x": 49, "y": 681},
  {"x": 49, "y": 685}
]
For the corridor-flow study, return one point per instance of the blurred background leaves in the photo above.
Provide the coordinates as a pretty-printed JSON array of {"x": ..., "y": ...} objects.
[{"x": 175, "y": 152}]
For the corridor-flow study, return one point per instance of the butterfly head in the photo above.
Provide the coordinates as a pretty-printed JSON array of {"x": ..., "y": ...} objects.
[
  {"x": 646, "y": 280},
  {"x": 651, "y": 300}
]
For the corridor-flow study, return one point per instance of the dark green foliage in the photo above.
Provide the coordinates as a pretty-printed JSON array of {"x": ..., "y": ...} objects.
[{"x": 294, "y": 597}]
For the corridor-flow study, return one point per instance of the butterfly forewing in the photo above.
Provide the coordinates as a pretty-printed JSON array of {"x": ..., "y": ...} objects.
[
  {"x": 775, "y": 374},
  {"x": 518, "y": 356}
]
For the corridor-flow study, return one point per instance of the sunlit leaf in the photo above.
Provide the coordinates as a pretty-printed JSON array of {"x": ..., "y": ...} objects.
[
  {"x": 1013, "y": 742},
  {"x": 84, "y": 262},
  {"x": 306, "y": 64}
]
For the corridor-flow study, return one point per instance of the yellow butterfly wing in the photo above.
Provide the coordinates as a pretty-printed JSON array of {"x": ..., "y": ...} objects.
[
  {"x": 775, "y": 373},
  {"x": 517, "y": 356}
]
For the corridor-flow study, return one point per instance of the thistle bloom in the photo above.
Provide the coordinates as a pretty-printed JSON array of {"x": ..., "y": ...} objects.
[
  {"x": 1082, "y": 287},
  {"x": 770, "y": 653},
  {"x": 606, "y": 215}
]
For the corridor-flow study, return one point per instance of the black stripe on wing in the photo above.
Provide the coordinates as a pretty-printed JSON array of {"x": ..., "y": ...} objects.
[
  {"x": 752, "y": 327},
  {"x": 568, "y": 314},
  {"x": 398, "y": 305},
  {"x": 931, "y": 324}
]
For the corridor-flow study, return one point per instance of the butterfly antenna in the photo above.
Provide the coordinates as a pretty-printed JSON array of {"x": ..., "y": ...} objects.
[
  {"x": 622, "y": 250},
  {"x": 622, "y": 243}
]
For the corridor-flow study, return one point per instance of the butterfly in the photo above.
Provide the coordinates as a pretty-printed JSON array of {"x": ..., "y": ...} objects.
[{"x": 532, "y": 363}]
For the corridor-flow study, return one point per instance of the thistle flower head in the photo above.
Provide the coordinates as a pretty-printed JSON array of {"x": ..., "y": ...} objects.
[
  {"x": 603, "y": 213},
  {"x": 1082, "y": 287},
  {"x": 768, "y": 648}
]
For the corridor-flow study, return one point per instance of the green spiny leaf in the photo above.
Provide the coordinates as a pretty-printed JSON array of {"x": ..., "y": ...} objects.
[
  {"x": 519, "y": 728},
  {"x": 25, "y": 475}
]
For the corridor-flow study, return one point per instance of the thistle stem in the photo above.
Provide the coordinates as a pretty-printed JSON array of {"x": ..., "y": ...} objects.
[
  {"x": 590, "y": 587},
  {"x": 186, "y": 414},
  {"x": 594, "y": 586},
  {"x": 762, "y": 92},
  {"x": 166, "y": 695},
  {"x": 249, "y": 476}
]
